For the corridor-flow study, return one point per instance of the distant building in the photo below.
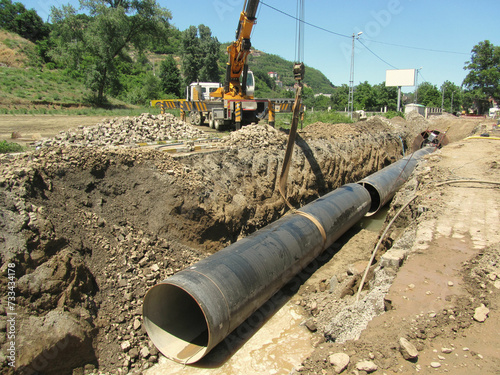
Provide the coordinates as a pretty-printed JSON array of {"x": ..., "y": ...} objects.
[{"x": 273, "y": 75}]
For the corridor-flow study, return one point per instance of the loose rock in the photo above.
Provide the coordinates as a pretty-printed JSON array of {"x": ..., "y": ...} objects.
[
  {"x": 367, "y": 366},
  {"x": 339, "y": 362},
  {"x": 481, "y": 313},
  {"x": 407, "y": 349},
  {"x": 125, "y": 345}
]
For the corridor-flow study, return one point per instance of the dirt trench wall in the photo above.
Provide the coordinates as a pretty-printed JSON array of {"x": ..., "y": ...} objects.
[{"x": 91, "y": 229}]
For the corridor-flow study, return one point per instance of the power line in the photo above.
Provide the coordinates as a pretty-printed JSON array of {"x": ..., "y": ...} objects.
[
  {"x": 418, "y": 72},
  {"x": 348, "y": 36},
  {"x": 304, "y": 22},
  {"x": 377, "y": 56},
  {"x": 417, "y": 48}
]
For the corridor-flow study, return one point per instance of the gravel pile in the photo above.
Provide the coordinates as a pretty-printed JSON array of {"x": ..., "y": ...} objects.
[
  {"x": 256, "y": 136},
  {"x": 126, "y": 131}
]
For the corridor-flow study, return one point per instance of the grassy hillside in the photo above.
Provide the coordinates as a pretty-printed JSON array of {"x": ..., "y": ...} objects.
[
  {"x": 25, "y": 83},
  {"x": 31, "y": 85},
  {"x": 17, "y": 52},
  {"x": 261, "y": 62}
]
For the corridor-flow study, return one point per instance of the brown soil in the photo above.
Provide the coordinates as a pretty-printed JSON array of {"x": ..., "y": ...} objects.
[
  {"x": 29, "y": 128},
  {"x": 90, "y": 230},
  {"x": 452, "y": 269}
]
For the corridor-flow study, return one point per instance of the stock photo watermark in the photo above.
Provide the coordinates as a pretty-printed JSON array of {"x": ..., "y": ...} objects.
[
  {"x": 11, "y": 315},
  {"x": 224, "y": 6}
]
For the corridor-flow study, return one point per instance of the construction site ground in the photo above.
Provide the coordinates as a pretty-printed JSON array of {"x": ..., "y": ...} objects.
[{"x": 91, "y": 229}]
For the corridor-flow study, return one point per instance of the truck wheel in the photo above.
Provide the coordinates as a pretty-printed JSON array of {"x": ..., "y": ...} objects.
[
  {"x": 195, "y": 118},
  {"x": 211, "y": 124},
  {"x": 218, "y": 124}
]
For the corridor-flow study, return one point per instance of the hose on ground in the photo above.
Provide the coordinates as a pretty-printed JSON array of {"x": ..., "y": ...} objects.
[
  {"x": 378, "y": 245},
  {"x": 474, "y": 181},
  {"x": 394, "y": 219}
]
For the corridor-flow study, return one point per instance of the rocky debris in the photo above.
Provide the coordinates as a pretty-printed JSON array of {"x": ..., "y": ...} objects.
[
  {"x": 481, "y": 313},
  {"x": 256, "y": 137},
  {"x": 367, "y": 366},
  {"x": 91, "y": 229},
  {"x": 352, "y": 317},
  {"x": 407, "y": 349},
  {"x": 435, "y": 364},
  {"x": 311, "y": 325},
  {"x": 63, "y": 280},
  {"x": 339, "y": 362},
  {"x": 393, "y": 258},
  {"x": 145, "y": 128},
  {"x": 86, "y": 267},
  {"x": 52, "y": 342}
]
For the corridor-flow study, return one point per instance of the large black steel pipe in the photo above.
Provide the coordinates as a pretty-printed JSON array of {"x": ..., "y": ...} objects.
[
  {"x": 189, "y": 313},
  {"x": 382, "y": 185}
]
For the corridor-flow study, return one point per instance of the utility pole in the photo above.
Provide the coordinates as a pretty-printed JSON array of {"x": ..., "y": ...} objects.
[
  {"x": 442, "y": 101},
  {"x": 350, "y": 100},
  {"x": 399, "y": 98},
  {"x": 415, "y": 99}
]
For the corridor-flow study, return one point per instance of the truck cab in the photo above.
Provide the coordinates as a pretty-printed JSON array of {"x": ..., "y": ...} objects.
[{"x": 201, "y": 90}]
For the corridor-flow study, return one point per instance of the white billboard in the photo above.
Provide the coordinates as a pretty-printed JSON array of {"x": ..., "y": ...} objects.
[{"x": 400, "y": 77}]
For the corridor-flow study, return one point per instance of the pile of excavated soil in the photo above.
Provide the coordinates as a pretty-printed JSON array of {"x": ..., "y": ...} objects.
[
  {"x": 126, "y": 131},
  {"x": 90, "y": 229}
]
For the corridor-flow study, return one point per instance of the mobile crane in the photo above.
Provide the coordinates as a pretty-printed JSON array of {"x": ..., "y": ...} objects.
[{"x": 232, "y": 104}]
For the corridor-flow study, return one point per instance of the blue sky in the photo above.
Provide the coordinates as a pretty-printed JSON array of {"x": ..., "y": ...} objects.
[{"x": 439, "y": 25}]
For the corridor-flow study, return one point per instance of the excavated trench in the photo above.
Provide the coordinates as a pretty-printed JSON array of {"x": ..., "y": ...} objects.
[{"x": 90, "y": 230}]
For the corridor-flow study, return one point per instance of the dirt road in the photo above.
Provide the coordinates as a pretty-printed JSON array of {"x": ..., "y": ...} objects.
[
  {"x": 451, "y": 272},
  {"x": 35, "y": 127}
]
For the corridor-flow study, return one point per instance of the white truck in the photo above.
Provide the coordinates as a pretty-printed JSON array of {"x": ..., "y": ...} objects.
[{"x": 221, "y": 113}]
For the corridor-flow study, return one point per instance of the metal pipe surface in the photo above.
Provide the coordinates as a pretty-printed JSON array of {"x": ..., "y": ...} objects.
[
  {"x": 189, "y": 313},
  {"x": 382, "y": 185}
]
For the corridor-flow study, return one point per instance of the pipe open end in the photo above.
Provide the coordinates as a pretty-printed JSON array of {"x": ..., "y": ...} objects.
[
  {"x": 175, "y": 323},
  {"x": 375, "y": 204}
]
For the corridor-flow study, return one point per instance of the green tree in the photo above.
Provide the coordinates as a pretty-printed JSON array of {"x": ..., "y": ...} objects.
[
  {"x": 190, "y": 52},
  {"x": 95, "y": 44},
  {"x": 483, "y": 80},
  {"x": 386, "y": 96},
  {"x": 321, "y": 102},
  {"x": 27, "y": 23},
  {"x": 452, "y": 96},
  {"x": 339, "y": 98},
  {"x": 200, "y": 55},
  {"x": 365, "y": 97},
  {"x": 170, "y": 77},
  {"x": 429, "y": 95},
  {"x": 210, "y": 48}
]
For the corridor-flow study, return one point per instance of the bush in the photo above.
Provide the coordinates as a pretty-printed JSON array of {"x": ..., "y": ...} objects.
[
  {"x": 392, "y": 114},
  {"x": 6, "y": 147}
]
